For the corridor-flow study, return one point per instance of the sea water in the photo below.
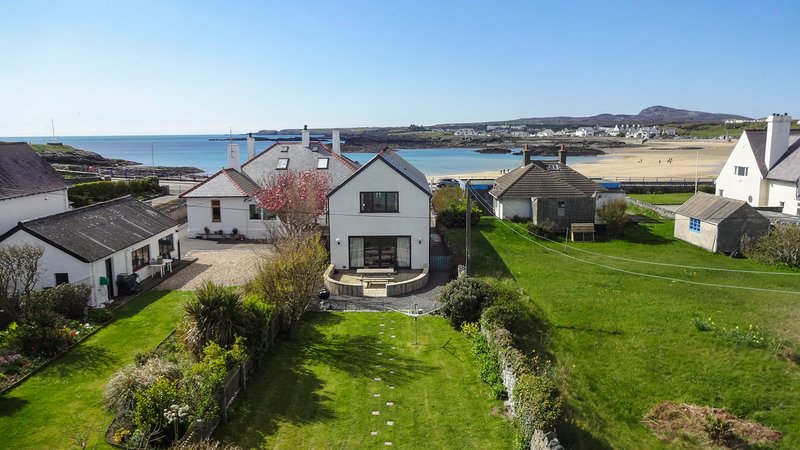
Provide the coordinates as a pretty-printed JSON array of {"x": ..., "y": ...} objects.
[{"x": 211, "y": 155}]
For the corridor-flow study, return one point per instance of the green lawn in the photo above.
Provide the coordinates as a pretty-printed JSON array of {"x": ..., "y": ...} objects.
[
  {"x": 66, "y": 397},
  {"x": 317, "y": 390},
  {"x": 625, "y": 342},
  {"x": 674, "y": 198}
]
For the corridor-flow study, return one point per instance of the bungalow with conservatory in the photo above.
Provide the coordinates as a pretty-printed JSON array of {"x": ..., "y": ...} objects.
[
  {"x": 380, "y": 216},
  {"x": 764, "y": 167},
  {"x": 29, "y": 186},
  {"x": 224, "y": 201},
  {"x": 94, "y": 244},
  {"x": 718, "y": 224}
]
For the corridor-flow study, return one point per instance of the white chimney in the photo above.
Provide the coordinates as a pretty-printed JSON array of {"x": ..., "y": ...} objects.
[
  {"x": 233, "y": 157},
  {"x": 337, "y": 145},
  {"x": 306, "y": 137},
  {"x": 251, "y": 146},
  {"x": 778, "y": 127}
]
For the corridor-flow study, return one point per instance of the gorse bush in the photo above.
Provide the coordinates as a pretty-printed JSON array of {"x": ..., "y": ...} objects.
[{"x": 463, "y": 299}]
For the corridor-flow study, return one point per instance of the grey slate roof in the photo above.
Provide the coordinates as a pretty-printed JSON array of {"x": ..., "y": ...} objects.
[
  {"x": 788, "y": 167},
  {"x": 544, "y": 179},
  {"x": 264, "y": 164},
  {"x": 94, "y": 232},
  {"x": 400, "y": 165},
  {"x": 404, "y": 167},
  {"x": 758, "y": 144},
  {"x": 23, "y": 172},
  {"x": 225, "y": 183},
  {"x": 710, "y": 208}
]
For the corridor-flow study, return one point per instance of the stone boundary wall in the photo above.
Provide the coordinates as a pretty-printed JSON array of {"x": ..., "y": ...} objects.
[
  {"x": 540, "y": 440},
  {"x": 656, "y": 209}
]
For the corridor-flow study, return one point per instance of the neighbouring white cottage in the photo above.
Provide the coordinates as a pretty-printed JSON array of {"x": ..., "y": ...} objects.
[
  {"x": 94, "y": 244},
  {"x": 29, "y": 186},
  {"x": 380, "y": 216},
  {"x": 764, "y": 167},
  {"x": 718, "y": 224},
  {"x": 224, "y": 201}
]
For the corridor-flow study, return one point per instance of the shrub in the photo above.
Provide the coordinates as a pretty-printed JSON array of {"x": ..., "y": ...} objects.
[
  {"x": 42, "y": 330},
  {"x": 204, "y": 379},
  {"x": 488, "y": 364},
  {"x": 99, "y": 191},
  {"x": 464, "y": 298},
  {"x": 780, "y": 246},
  {"x": 446, "y": 196},
  {"x": 545, "y": 229},
  {"x": 506, "y": 310},
  {"x": 257, "y": 314},
  {"x": 150, "y": 407},
  {"x": 99, "y": 316},
  {"x": 614, "y": 215},
  {"x": 11, "y": 337},
  {"x": 70, "y": 300},
  {"x": 213, "y": 314},
  {"x": 536, "y": 403},
  {"x": 455, "y": 216},
  {"x": 119, "y": 394}
]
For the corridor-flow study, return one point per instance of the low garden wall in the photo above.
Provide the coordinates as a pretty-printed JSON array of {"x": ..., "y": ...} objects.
[
  {"x": 404, "y": 287},
  {"x": 656, "y": 209},
  {"x": 339, "y": 288}
]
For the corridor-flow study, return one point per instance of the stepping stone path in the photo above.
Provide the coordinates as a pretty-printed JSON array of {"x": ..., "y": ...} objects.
[{"x": 377, "y": 395}]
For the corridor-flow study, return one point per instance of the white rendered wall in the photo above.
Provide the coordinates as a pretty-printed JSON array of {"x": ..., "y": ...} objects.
[
  {"x": 347, "y": 220},
  {"x": 511, "y": 207},
  {"x": 706, "y": 238},
  {"x": 53, "y": 261},
  {"x": 783, "y": 191},
  {"x": 15, "y": 210},
  {"x": 234, "y": 213},
  {"x": 742, "y": 188}
]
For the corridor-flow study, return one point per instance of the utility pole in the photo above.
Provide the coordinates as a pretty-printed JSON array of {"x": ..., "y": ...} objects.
[{"x": 467, "y": 238}]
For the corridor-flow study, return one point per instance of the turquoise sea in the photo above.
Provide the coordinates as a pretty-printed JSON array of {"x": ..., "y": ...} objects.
[{"x": 209, "y": 156}]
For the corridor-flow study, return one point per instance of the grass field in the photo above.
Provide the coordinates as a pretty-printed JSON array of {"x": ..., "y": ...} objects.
[
  {"x": 65, "y": 398},
  {"x": 318, "y": 390},
  {"x": 673, "y": 198},
  {"x": 624, "y": 342}
]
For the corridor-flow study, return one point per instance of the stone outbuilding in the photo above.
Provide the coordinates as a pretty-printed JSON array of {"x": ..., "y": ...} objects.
[{"x": 718, "y": 224}]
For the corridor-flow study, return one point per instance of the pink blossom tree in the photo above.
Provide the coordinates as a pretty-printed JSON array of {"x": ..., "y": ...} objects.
[{"x": 296, "y": 198}]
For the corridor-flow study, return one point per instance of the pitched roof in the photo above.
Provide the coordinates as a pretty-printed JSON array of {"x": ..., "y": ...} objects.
[
  {"x": 710, "y": 208},
  {"x": 23, "y": 172},
  {"x": 225, "y": 183},
  {"x": 544, "y": 179},
  {"x": 758, "y": 145},
  {"x": 400, "y": 165},
  {"x": 93, "y": 232},
  {"x": 788, "y": 167},
  {"x": 261, "y": 166}
]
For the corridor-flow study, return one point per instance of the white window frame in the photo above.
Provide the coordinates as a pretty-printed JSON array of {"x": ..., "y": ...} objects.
[
  {"x": 283, "y": 163},
  {"x": 740, "y": 171}
]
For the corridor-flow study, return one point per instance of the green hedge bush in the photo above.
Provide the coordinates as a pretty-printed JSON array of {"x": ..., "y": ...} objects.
[
  {"x": 463, "y": 299},
  {"x": 100, "y": 191}
]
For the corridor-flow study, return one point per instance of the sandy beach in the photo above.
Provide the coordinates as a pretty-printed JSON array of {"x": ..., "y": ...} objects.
[{"x": 650, "y": 159}]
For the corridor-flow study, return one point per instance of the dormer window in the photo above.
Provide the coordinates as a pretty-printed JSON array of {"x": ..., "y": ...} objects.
[
  {"x": 283, "y": 163},
  {"x": 322, "y": 163},
  {"x": 740, "y": 171}
]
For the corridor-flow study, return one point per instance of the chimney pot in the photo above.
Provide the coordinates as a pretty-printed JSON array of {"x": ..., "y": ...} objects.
[
  {"x": 306, "y": 136},
  {"x": 526, "y": 155},
  {"x": 562, "y": 155}
]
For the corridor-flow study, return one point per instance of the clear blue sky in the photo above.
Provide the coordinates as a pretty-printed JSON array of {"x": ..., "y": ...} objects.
[{"x": 158, "y": 67}]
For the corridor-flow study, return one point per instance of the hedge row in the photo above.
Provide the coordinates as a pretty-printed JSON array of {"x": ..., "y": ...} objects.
[{"x": 100, "y": 191}]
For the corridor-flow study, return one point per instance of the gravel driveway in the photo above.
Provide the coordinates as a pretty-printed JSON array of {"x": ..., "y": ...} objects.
[{"x": 229, "y": 265}]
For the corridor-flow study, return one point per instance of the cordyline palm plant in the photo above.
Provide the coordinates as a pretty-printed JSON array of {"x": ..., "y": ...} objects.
[{"x": 214, "y": 313}]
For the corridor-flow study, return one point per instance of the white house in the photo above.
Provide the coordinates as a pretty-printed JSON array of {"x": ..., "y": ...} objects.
[
  {"x": 546, "y": 133},
  {"x": 465, "y": 132},
  {"x": 29, "y": 186},
  {"x": 584, "y": 132},
  {"x": 94, "y": 244},
  {"x": 224, "y": 201},
  {"x": 380, "y": 216},
  {"x": 764, "y": 167}
]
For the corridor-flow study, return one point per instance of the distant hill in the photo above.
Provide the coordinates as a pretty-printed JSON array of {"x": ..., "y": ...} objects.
[{"x": 654, "y": 115}]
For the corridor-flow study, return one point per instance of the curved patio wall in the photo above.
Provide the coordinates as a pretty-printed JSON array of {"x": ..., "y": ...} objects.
[
  {"x": 339, "y": 288},
  {"x": 405, "y": 287}
]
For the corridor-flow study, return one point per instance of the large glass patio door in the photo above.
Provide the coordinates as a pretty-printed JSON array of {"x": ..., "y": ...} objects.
[{"x": 380, "y": 252}]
